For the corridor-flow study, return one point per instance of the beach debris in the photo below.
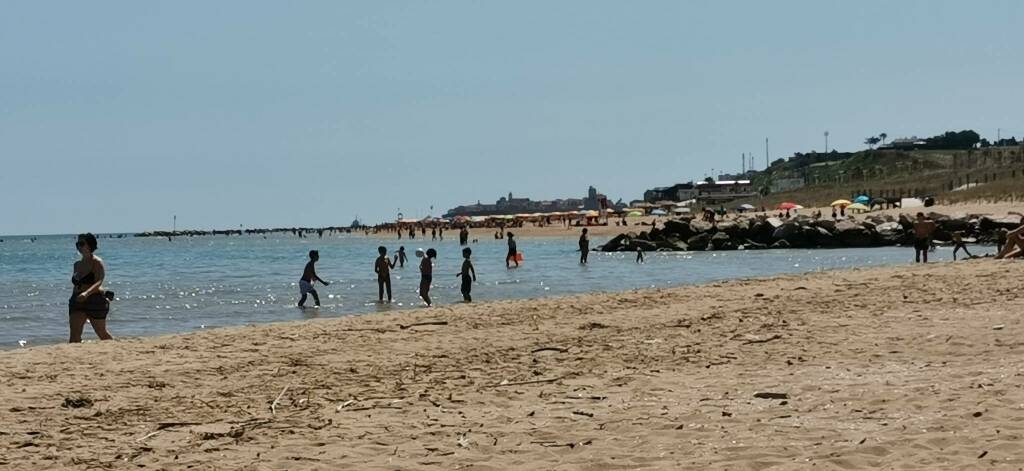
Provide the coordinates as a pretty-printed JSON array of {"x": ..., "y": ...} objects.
[
  {"x": 999, "y": 327},
  {"x": 982, "y": 455},
  {"x": 463, "y": 441},
  {"x": 76, "y": 402},
  {"x": 273, "y": 405},
  {"x": 769, "y": 339},
  {"x": 505, "y": 383},
  {"x": 583, "y": 413},
  {"x": 593, "y": 325},
  {"x": 418, "y": 324},
  {"x": 726, "y": 414},
  {"x": 550, "y": 349},
  {"x": 771, "y": 395},
  {"x": 976, "y": 414},
  {"x": 345, "y": 404},
  {"x": 554, "y": 444}
]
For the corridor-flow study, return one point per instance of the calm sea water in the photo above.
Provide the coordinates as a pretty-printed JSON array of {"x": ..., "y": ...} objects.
[{"x": 206, "y": 282}]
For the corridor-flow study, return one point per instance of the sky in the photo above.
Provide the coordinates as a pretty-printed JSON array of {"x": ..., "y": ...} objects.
[{"x": 118, "y": 115}]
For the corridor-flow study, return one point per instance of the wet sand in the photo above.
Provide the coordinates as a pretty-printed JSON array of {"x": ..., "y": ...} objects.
[{"x": 918, "y": 367}]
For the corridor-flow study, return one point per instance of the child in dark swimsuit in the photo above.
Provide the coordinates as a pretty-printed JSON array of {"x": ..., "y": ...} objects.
[
  {"x": 308, "y": 278},
  {"x": 468, "y": 275},
  {"x": 427, "y": 274}
]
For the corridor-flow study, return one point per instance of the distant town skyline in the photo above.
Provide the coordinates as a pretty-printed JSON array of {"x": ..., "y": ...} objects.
[{"x": 115, "y": 117}]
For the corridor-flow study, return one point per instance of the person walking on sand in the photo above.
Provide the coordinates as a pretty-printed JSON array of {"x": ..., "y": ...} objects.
[
  {"x": 923, "y": 229},
  {"x": 383, "y": 267},
  {"x": 584, "y": 247},
  {"x": 400, "y": 256},
  {"x": 468, "y": 275},
  {"x": 89, "y": 302},
  {"x": 309, "y": 277},
  {"x": 511, "y": 251},
  {"x": 958, "y": 241},
  {"x": 427, "y": 274}
]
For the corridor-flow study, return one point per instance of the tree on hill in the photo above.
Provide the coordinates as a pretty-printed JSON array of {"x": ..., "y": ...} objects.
[
  {"x": 871, "y": 141},
  {"x": 883, "y": 137},
  {"x": 709, "y": 180},
  {"x": 966, "y": 139}
]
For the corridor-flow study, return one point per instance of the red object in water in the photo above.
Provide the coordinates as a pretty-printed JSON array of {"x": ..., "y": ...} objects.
[{"x": 519, "y": 256}]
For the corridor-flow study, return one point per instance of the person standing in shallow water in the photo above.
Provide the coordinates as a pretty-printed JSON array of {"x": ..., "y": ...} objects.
[
  {"x": 512, "y": 251},
  {"x": 383, "y": 267},
  {"x": 89, "y": 301},
  {"x": 468, "y": 275},
  {"x": 401, "y": 257},
  {"x": 584, "y": 247},
  {"x": 308, "y": 279},
  {"x": 923, "y": 229},
  {"x": 427, "y": 274}
]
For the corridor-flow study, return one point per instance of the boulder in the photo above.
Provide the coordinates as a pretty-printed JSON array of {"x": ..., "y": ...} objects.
[
  {"x": 699, "y": 227},
  {"x": 751, "y": 245},
  {"x": 721, "y": 241},
  {"x": 761, "y": 232},
  {"x": 954, "y": 224},
  {"x": 791, "y": 232},
  {"x": 780, "y": 244},
  {"x": 989, "y": 224},
  {"x": 735, "y": 229},
  {"x": 854, "y": 235},
  {"x": 827, "y": 224},
  {"x": 646, "y": 246},
  {"x": 616, "y": 244},
  {"x": 774, "y": 222},
  {"x": 820, "y": 237},
  {"x": 678, "y": 229},
  {"x": 699, "y": 241},
  {"x": 891, "y": 233}
]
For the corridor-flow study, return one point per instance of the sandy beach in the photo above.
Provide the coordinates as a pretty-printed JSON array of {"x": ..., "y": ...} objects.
[{"x": 916, "y": 367}]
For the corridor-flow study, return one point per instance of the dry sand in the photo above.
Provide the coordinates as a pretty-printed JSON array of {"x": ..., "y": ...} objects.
[{"x": 897, "y": 368}]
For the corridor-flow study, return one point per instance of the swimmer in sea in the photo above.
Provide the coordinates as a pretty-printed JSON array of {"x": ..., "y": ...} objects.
[
  {"x": 584, "y": 247},
  {"x": 427, "y": 275},
  {"x": 401, "y": 257},
  {"x": 468, "y": 275},
  {"x": 511, "y": 251},
  {"x": 383, "y": 267}
]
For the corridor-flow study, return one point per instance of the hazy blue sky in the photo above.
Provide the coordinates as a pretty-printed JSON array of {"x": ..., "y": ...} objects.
[{"x": 116, "y": 115}]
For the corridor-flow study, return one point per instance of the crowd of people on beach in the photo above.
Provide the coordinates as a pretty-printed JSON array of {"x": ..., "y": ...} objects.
[{"x": 90, "y": 301}]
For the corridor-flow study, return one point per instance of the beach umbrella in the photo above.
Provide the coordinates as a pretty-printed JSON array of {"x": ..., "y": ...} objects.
[
  {"x": 634, "y": 214},
  {"x": 862, "y": 199},
  {"x": 593, "y": 214},
  {"x": 681, "y": 210},
  {"x": 789, "y": 205},
  {"x": 609, "y": 210},
  {"x": 658, "y": 212},
  {"x": 747, "y": 207},
  {"x": 857, "y": 207},
  {"x": 841, "y": 203}
]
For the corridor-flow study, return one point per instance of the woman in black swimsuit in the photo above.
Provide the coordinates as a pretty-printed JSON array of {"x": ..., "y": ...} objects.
[{"x": 88, "y": 299}]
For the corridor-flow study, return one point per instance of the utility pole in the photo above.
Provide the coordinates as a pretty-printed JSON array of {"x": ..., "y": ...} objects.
[
  {"x": 766, "y": 153},
  {"x": 743, "y": 160},
  {"x": 174, "y": 225},
  {"x": 826, "y": 142}
]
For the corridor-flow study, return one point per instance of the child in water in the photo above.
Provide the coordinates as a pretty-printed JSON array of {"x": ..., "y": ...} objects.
[
  {"x": 383, "y": 267},
  {"x": 467, "y": 271},
  {"x": 639, "y": 255},
  {"x": 427, "y": 275},
  {"x": 308, "y": 278},
  {"x": 401, "y": 257}
]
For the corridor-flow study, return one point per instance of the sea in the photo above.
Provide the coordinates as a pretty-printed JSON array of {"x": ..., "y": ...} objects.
[{"x": 204, "y": 282}]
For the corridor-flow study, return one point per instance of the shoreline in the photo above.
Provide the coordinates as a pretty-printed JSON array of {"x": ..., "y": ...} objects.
[{"x": 880, "y": 366}]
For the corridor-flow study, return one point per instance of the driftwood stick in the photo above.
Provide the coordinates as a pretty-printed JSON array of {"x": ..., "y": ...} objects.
[
  {"x": 536, "y": 381},
  {"x": 769, "y": 339},
  {"x": 550, "y": 349},
  {"x": 273, "y": 405},
  {"x": 417, "y": 324}
]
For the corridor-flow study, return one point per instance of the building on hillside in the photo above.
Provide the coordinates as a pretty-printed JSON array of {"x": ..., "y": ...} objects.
[
  {"x": 511, "y": 205},
  {"x": 677, "y": 192},
  {"x": 723, "y": 191},
  {"x": 904, "y": 143}
]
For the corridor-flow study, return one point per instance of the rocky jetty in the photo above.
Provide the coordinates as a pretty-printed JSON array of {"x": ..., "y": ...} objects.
[{"x": 760, "y": 232}]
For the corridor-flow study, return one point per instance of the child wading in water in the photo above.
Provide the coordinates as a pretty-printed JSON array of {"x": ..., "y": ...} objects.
[
  {"x": 427, "y": 274},
  {"x": 401, "y": 257},
  {"x": 468, "y": 275},
  {"x": 383, "y": 267},
  {"x": 308, "y": 278}
]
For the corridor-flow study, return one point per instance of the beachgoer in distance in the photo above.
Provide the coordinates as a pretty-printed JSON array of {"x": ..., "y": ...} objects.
[
  {"x": 639, "y": 255},
  {"x": 309, "y": 277},
  {"x": 584, "y": 247},
  {"x": 923, "y": 229},
  {"x": 468, "y": 275},
  {"x": 433, "y": 233},
  {"x": 1000, "y": 239},
  {"x": 511, "y": 251},
  {"x": 834, "y": 214},
  {"x": 958, "y": 241},
  {"x": 427, "y": 274},
  {"x": 383, "y": 267},
  {"x": 401, "y": 257},
  {"x": 1014, "y": 246},
  {"x": 88, "y": 299}
]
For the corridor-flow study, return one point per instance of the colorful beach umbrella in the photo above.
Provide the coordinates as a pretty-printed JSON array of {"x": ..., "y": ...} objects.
[
  {"x": 841, "y": 203},
  {"x": 789, "y": 205},
  {"x": 857, "y": 207},
  {"x": 862, "y": 199},
  {"x": 658, "y": 212},
  {"x": 634, "y": 214},
  {"x": 747, "y": 207}
]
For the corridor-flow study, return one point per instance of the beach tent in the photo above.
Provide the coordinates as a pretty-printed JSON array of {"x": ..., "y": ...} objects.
[
  {"x": 862, "y": 199},
  {"x": 478, "y": 219},
  {"x": 789, "y": 205},
  {"x": 658, "y": 212},
  {"x": 858, "y": 207},
  {"x": 634, "y": 214},
  {"x": 841, "y": 203}
]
